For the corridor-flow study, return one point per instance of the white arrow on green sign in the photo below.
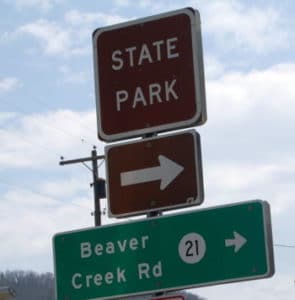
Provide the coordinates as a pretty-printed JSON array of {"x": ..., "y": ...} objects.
[{"x": 203, "y": 247}]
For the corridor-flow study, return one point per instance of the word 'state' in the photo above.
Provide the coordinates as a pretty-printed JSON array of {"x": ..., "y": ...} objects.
[{"x": 147, "y": 53}]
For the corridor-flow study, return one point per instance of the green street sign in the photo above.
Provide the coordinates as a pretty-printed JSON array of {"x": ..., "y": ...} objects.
[{"x": 198, "y": 248}]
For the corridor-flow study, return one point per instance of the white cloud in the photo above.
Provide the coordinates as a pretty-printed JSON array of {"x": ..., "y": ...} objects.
[
  {"x": 247, "y": 140},
  {"x": 240, "y": 176},
  {"x": 6, "y": 116},
  {"x": 54, "y": 39},
  {"x": 213, "y": 68},
  {"x": 28, "y": 223},
  {"x": 70, "y": 76},
  {"x": 44, "y": 5},
  {"x": 80, "y": 77},
  {"x": 235, "y": 24},
  {"x": 122, "y": 3},
  {"x": 38, "y": 140},
  {"x": 230, "y": 23},
  {"x": 237, "y": 181},
  {"x": 237, "y": 96},
  {"x": 159, "y": 6},
  {"x": 78, "y": 18},
  {"x": 9, "y": 84},
  {"x": 72, "y": 36},
  {"x": 5, "y": 36},
  {"x": 69, "y": 187}
]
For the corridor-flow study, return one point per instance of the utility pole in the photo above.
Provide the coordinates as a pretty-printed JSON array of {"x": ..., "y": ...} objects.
[{"x": 98, "y": 183}]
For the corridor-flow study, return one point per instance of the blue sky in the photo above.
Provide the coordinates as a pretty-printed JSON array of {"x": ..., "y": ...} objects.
[{"x": 47, "y": 109}]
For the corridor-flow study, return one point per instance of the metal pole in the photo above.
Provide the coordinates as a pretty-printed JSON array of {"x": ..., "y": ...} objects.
[
  {"x": 97, "y": 212},
  {"x": 154, "y": 213},
  {"x": 98, "y": 184}
]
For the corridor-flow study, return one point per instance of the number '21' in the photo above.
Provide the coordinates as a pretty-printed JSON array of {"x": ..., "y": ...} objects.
[{"x": 192, "y": 248}]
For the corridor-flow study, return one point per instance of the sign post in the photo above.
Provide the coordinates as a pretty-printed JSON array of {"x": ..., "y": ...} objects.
[
  {"x": 149, "y": 75},
  {"x": 199, "y": 248},
  {"x": 149, "y": 78}
]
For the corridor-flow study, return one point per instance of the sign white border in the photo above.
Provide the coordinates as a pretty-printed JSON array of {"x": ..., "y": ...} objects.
[
  {"x": 198, "y": 168},
  {"x": 200, "y": 115},
  {"x": 268, "y": 241}
]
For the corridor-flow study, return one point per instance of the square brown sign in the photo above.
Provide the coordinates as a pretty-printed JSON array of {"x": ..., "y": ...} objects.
[
  {"x": 157, "y": 173},
  {"x": 149, "y": 75}
]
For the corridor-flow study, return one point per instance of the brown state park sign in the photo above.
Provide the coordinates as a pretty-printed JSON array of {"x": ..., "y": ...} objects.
[
  {"x": 149, "y": 75},
  {"x": 158, "y": 173}
]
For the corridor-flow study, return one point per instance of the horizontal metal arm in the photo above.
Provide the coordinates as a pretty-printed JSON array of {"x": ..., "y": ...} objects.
[{"x": 80, "y": 160}]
